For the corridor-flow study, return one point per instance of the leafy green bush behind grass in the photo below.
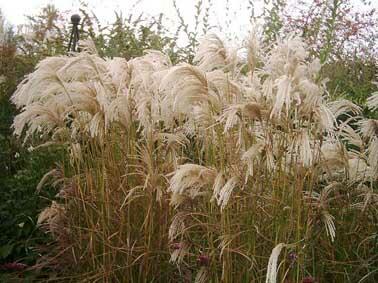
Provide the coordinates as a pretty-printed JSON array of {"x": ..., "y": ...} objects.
[
  {"x": 19, "y": 206},
  {"x": 20, "y": 170}
]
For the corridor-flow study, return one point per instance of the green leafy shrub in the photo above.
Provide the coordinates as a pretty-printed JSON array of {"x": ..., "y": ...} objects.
[{"x": 20, "y": 170}]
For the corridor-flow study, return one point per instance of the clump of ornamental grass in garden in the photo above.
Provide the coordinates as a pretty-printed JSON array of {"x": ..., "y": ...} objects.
[{"x": 216, "y": 171}]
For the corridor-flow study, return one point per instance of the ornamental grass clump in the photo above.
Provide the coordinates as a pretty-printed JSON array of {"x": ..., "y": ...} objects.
[{"x": 211, "y": 172}]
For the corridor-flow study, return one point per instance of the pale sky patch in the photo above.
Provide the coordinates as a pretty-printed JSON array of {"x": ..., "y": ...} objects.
[
  {"x": 234, "y": 23},
  {"x": 235, "y": 20}
]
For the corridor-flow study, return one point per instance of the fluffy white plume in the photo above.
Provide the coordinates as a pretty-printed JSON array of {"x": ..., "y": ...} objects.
[{"x": 271, "y": 273}]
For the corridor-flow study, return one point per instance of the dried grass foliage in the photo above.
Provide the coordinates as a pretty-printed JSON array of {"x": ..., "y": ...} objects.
[{"x": 214, "y": 163}]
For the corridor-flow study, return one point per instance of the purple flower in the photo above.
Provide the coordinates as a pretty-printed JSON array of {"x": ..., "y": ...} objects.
[
  {"x": 203, "y": 260},
  {"x": 293, "y": 257},
  {"x": 13, "y": 266},
  {"x": 176, "y": 246},
  {"x": 308, "y": 279}
]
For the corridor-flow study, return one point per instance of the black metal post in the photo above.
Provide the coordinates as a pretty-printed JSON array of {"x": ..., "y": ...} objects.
[{"x": 74, "y": 38}]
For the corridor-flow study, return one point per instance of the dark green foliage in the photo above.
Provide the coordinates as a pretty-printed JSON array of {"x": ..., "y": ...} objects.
[
  {"x": 20, "y": 204},
  {"x": 352, "y": 79},
  {"x": 20, "y": 172},
  {"x": 130, "y": 38}
]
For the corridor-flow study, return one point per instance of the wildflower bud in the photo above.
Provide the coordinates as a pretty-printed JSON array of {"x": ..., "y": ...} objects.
[
  {"x": 308, "y": 279},
  {"x": 203, "y": 260},
  {"x": 13, "y": 266},
  {"x": 292, "y": 257},
  {"x": 176, "y": 246}
]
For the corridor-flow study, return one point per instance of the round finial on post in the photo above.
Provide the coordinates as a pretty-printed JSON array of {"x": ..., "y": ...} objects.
[{"x": 75, "y": 19}]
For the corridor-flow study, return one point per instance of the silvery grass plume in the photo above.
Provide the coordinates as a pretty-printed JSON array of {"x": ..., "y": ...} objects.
[
  {"x": 212, "y": 55},
  {"x": 369, "y": 132},
  {"x": 223, "y": 195},
  {"x": 69, "y": 96},
  {"x": 372, "y": 158},
  {"x": 321, "y": 203},
  {"x": 253, "y": 156},
  {"x": 362, "y": 161},
  {"x": 188, "y": 181},
  {"x": 271, "y": 273},
  {"x": 146, "y": 73},
  {"x": 180, "y": 250},
  {"x": 187, "y": 88},
  {"x": 303, "y": 149},
  {"x": 254, "y": 49},
  {"x": 177, "y": 226},
  {"x": 333, "y": 160},
  {"x": 52, "y": 218},
  {"x": 368, "y": 197},
  {"x": 372, "y": 101}
]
